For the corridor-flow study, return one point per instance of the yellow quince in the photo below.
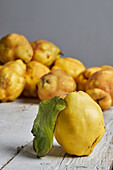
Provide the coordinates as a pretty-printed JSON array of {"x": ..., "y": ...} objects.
[{"x": 80, "y": 126}]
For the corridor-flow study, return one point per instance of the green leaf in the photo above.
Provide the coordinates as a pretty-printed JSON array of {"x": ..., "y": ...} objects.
[{"x": 44, "y": 124}]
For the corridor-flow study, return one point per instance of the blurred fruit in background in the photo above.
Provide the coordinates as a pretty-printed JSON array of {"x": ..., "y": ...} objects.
[
  {"x": 83, "y": 77},
  {"x": 71, "y": 66},
  {"x": 45, "y": 52},
  {"x": 12, "y": 81},
  {"x": 100, "y": 87},
  {"x": 15, "y": 46},
  {"x": 55, "y": 83},
  {"x": 34, "y": 72}
]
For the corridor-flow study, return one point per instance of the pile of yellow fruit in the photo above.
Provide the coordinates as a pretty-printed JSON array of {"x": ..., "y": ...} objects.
[{"x": 36, "y": 70}]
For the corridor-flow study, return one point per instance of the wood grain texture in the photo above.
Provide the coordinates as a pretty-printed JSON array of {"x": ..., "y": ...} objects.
[
  {"x": 57, "y": 159},
  {"x": 16, "y": 119}
]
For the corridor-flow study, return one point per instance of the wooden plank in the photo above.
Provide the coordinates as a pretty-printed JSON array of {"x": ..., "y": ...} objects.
[
  {"x": 16, "y": 119},
  {"x": 57, "y": 159}
]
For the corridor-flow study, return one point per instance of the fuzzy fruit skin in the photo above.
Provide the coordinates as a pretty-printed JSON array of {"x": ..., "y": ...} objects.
[
  {"x": 71, "y": 66},
  {"x": 55, "y": 83},
  {"x": 83, "y": 77},
  {"x": 100, "y": 87},
  {"x": 34, "y": 72},
  {"x": 80, "y": 126},
  {"x": 15, "y": 46},
  {"x": 12, "y": 80},
  {"x": 101, "y": 97},
  {"x": 45, "y": 52}
]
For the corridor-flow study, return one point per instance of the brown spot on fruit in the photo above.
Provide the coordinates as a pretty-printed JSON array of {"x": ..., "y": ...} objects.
[{"x": 48, "y": 56}]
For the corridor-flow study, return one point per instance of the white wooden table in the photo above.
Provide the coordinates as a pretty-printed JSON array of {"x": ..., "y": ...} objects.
[{"x": 16, "y": 120}]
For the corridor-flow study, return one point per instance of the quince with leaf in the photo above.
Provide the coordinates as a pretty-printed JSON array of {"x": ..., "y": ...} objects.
[{"x": 76, "y": 121}]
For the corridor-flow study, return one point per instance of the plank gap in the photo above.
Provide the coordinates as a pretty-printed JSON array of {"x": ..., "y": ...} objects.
[
  {"x": 19, "y": 149},
  {"x": 8, "y": 162},
  {"x": 62, "y": 159}
]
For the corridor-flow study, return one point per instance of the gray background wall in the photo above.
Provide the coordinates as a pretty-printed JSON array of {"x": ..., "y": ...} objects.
[{"x": 81, "y": 28}]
